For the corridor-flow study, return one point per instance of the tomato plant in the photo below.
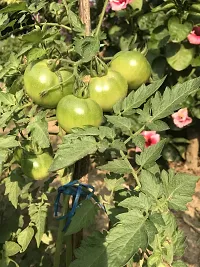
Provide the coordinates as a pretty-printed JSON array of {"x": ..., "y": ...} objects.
[
  {"x": 46, "y": 87},
  {"x": 108, "y": 89},
  {"x": 74, "y": 112},
  {"x": 133, "y": 66}
]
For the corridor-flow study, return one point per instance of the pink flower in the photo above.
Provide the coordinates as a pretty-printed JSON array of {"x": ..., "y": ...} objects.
[
  {"x": 194, "y": 36},
  {"x": 119, "y": 4},
  {"x": 151, "y": 138},
  {"x": 181, "y": 118}
]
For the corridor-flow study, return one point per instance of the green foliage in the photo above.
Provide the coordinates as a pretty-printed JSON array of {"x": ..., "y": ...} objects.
[{"x": 141, "y": 213}]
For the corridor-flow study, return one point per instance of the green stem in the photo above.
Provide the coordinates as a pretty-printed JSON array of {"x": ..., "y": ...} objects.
[
  {"x": 69, "y": 250},
  {"x": 133, "y": 172},
  {"x": 59, "y": 241},
  {"x": 101, "y": 18}
]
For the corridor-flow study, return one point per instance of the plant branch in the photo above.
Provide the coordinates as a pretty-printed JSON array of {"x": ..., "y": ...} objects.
[
  {"x": 59, "y": 241},
  {"x": 101, "y": 18},
  {"x": 84, "y": 12}
]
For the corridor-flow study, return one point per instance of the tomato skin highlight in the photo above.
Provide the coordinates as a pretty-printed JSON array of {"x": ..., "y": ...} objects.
[
  {"x": 36, "y": 166},
  {"x": 108, "y": 89},
  {"x": 133, "y": 66},
  {"x": 78, "y": 112},
  {"x": 38, "y": 77}
]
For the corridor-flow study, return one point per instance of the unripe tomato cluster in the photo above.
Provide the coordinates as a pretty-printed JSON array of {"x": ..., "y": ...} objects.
[{"x": 127, "y": 71}]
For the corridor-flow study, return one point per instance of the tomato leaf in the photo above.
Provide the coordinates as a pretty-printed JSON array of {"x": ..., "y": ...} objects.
[
  {"x": 73, "y": 150},
  {"x": 14, "y": 185},
  {"x": 136, "y": 98},
  {"x": 135, "y": 230},
  {"x": 8, "y": 141},
  {"x": 142, "y": 202},
  {"x": 120, "y": 166},
  {"x": 84, "y": 217},
  {"x": 172, "y": 98},
  {"x": 33, "y": 37},
  {"x": 38, "y": 214},
  {"x": 148, "y": 157},
  {"x": 11, "y": 248},
  {"x": 14, "y": 7},
  {"x": 87, "y": 48},
  {"x": 7, "y": 99},
  {"x": 149, "y": 184},
  {"x": 35, "y": 53},
  {"x": 125, "y": 124},
  {"x": 178, "y": 188},
  {"x": 158, "y": 126},
  {"x": 75, "y": 22},
  {"x": 24, "y": 238},
  {"x": 95, "y": 249},
  {"x": 39, "y": 131},
  {"x": 114, "y": 184}
]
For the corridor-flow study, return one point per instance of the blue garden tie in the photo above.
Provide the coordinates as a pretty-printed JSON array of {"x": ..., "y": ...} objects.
[{"x": 77, "y": 190}]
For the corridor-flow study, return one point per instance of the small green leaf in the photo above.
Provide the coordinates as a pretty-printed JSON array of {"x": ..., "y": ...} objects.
[
  {"x": 149, "y": 184},
  {"x": 7, "y": 99},
  {"x": 150, "y": 21},
  {"x": 132, "y": 231},
  {"x": 177, "y": 30},
  {"x": 34, "y": 36},
  {"x": 8, "y": 142},
  {"x": 158, "y": 126},
  {"x": 87, "y": 48},
  {"x": 14, "y": 185},
  {"x": 24, "y": 238},
  {"x": 11, "y": 248},
  {"x": 39, "y": 131},
  {"x": 172, "y": 98},
  {"x": 35, "y": 53},
  {"x": 114, "y": 184},
  {"x": 178, "y": 188},
  {"x": 69, "y": 153},
  {"x": 125, "y": 124},
  {"x": 38, "y": 214},
  {"x": 75, "y": 22},
  {"x": 84, "y": 217},
  {"x": 179, "y": 56},
  {"x": 142, "y": 202},
  {"x": 148, "y": 157},
  {"x": 95, "y": 248},
  {"x": 139, "y": 141},
  {"x": 14, "y": 7},
  {"x": 136, "y": 98},
  {"x": 120, "y": 166}
]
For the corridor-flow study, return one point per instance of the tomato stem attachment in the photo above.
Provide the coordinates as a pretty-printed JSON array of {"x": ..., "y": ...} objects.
[
  {"x": 56, "y": 87},
  {"x": 98, "y": 67}
]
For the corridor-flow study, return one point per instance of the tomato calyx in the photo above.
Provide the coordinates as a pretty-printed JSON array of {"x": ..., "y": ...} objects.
[{"x": 98, "y": 68}]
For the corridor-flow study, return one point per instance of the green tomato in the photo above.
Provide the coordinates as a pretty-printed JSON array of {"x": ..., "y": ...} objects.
[
  {"x": 36, "y": 166},
  {"x": 38, "y": 77},
  {"x": 108, "y": 90},
  {"x": 133, "y": 66},
  {"x": 78, "y": 112}
]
